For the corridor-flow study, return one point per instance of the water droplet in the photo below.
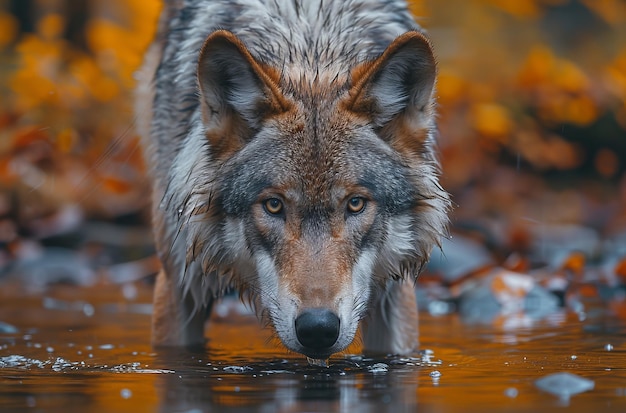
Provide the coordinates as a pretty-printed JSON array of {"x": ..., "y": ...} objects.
[
  {"x": 88, "y": 310},
  {"x": 608, "y": 347},
  {"x": 237, "y": 369},
  {"x": 378, "y": 368},
  {"x": 317, "y": 362},
  {"x": 511, "y": 392},
  {"x": 126, "y": 394},
  {"x": 129, "y": 291}
]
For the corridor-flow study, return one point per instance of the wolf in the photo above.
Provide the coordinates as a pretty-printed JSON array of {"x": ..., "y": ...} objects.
[{"x": 292, "y": 149}]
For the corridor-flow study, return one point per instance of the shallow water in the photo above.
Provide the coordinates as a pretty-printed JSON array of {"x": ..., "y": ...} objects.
[{"x": 87, "y": 349}]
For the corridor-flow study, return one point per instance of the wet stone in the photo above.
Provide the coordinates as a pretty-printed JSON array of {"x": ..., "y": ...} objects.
[
  {"x": 458, "y": 257},
  {"x": 564, "y": 384},
  {"x": 6, "y": 328},
  {"x": 53, "y": 266},
  {"x": 511, "y": 392},
  {"x": 505, "y": 293}
]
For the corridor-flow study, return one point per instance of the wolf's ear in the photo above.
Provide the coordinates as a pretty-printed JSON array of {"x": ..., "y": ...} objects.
[
  {"x": 400, "y": 82},
  {"x": 237, "y": 92}
]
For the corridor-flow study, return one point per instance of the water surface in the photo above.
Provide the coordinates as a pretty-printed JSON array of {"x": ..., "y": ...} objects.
[{"x": 86, "y": 349}]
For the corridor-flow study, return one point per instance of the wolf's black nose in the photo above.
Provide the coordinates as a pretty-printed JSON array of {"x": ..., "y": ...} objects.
[{"x": 317, "y": 328}]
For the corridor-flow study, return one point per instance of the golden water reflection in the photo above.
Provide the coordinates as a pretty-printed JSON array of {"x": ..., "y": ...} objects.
[{"x": 66, "y": 357}]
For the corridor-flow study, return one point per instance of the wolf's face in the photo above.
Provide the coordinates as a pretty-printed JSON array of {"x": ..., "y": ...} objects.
[{"x": 324, "y": 190}]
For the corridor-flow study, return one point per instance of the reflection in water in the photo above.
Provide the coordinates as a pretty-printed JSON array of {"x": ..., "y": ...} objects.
[
  {"x": 62, "y": 358},
  {"x": 306, "y": 393},
  {"x": 289, "y": 385}
]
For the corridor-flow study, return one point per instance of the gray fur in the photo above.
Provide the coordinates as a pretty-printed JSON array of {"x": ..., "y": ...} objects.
[{"x": 205, "y": 235}]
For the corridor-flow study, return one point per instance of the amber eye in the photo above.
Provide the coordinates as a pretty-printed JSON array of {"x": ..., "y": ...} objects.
[
  {"x": 356, "y": 204},
  {"x": 273, "y": 206}
]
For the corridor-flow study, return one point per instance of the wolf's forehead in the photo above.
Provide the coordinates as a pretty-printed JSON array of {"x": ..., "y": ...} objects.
[
  {"x": 323, "y": 144},
  {"x": 341, "y": 157},
  {"x": 320, "y": 167},
  {"x": 331, "y": 159}
]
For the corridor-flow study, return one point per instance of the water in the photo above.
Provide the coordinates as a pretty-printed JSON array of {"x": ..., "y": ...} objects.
[{"x": 87, "y": 349}]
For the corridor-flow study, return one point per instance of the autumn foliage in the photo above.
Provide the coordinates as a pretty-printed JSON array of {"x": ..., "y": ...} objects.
[
  {"x": 66, "y": 121},
  {"x": 532, "y": 96}
]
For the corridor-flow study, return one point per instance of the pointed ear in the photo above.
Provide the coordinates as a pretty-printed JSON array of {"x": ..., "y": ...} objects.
[
  {"x": 400, "y": 82},
  {"x": 237, "y": 92}
]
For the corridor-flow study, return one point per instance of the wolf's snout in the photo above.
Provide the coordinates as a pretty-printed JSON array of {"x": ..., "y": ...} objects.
[{"x": 317, "y": 328}]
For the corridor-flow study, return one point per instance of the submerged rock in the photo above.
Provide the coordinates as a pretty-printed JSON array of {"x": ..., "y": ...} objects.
[
  {"x": 458, "y": 257},
  {"x": 564, "y": 385},
  {"x": 505, "y": 293},
  {"x": 6, "y": 328}
]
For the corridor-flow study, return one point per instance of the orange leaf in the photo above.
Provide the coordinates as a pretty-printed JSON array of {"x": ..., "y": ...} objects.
[
  {"x": 9, "y": 26},
  {"x": 116, "y": 185},
  {"x": 575, "y": 263}
]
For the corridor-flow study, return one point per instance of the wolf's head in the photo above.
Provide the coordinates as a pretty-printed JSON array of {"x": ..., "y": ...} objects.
[{"x": 317, "y": 188}]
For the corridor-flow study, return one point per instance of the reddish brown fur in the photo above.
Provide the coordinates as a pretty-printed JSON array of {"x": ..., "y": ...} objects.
[
  {"x": 314, "y": 269},
  {"x": 268, "y": 76},
  {"x": 358, "y": 99},
  {"x": 231, "y": 136},
  {"x": 404, "y": 138}
]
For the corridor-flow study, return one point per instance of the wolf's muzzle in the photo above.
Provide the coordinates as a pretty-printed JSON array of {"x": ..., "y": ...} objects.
[{"x": 317, "y": 329}]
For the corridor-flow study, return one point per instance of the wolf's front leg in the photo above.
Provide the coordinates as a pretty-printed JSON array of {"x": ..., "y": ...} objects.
[
  {"x": 174, "y": 321},
  {"x": 392, "y": 324}
]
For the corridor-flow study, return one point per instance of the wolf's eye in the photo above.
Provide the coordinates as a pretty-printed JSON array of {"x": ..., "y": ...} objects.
[
  {"x": 356, "y": 204},
  {"x": 273, "y": 206}
]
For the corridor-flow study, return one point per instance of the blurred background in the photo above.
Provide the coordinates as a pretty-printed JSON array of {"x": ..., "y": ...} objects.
[{"x": 532, "y": 98}]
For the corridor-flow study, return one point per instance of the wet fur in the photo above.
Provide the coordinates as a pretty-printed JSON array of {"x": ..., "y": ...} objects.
[{"x": 312, "y": 102}]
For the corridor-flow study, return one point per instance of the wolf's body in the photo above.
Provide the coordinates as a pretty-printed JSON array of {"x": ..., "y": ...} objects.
[{"x": 291, "y": 147}]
